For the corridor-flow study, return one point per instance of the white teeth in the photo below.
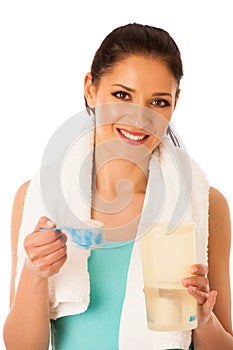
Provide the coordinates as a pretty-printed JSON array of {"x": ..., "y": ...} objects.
[{"x": 132, "y": 137}]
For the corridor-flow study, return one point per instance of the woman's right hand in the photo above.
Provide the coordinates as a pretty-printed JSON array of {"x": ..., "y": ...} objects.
[{"x": 46, "y": 250}]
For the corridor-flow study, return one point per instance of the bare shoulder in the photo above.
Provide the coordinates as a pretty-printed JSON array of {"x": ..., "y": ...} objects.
[
  {"x": 17, "y": 213},
  {"x": 18, "y": 206},
  {"x": 219, "y": 213},
  {"x": 218, "y": 201},
  {"x": 219, "y": 254},
  {"x": 22, "y": 190},
  {"x": 219, "y": 221}
]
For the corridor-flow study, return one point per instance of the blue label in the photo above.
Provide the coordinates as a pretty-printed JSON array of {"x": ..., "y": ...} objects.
[{"x": 192, "y": 318}]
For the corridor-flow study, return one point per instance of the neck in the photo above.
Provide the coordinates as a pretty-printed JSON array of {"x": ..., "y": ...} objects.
[{"x": 119, "y": 174}]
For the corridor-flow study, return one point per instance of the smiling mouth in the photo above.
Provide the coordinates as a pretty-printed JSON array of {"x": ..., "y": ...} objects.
[{"x": 132, "y": 137}]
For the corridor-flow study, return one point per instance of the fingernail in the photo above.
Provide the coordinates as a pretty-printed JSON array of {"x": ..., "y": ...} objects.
[
  {"x": 186, "y": 281},
  {"x": 49, "y": 223},
  {"x": 215, "y": 293},
  {"x": 194, "y": 269}
]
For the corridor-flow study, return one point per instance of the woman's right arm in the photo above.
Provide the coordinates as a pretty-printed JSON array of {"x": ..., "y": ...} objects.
[{"x": 27, "y": 324}]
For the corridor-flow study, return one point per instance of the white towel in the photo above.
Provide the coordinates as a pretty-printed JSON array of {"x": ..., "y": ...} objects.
[{"x": 69, "y": 289}]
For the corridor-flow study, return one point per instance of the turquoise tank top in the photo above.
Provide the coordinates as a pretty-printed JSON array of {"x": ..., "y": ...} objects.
[{"x": 98, "y": 327}]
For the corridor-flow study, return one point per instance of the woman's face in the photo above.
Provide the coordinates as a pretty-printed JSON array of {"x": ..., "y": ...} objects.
[{"x": 142, "y": 81}]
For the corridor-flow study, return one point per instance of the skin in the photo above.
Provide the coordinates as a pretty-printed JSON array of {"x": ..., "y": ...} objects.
[{"x": 139, "y": 80}]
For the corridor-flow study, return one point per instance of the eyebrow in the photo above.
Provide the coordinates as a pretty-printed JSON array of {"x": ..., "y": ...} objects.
[{"x": 132, "y": 90}]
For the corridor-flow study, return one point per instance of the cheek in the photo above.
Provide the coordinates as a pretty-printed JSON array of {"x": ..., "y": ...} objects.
[
  {"x": 167, "y": 113},
  {"x": 153, "y": 143},
  {"x": 103, "y": 133},
  {"x": 102, "y": 97}
]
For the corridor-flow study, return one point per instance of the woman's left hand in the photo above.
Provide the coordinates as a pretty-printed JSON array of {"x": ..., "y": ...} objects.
[{"x": 198, "y": 286}]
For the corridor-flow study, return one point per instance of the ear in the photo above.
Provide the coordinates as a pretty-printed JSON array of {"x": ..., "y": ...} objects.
[{"x": 89, "y": 90}]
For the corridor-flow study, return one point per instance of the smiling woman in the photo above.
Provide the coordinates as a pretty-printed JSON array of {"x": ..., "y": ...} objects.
[{"x": 130, "y": 93}]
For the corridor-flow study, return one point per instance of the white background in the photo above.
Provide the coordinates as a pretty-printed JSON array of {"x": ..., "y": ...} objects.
[{"x": 46, "y": 47}]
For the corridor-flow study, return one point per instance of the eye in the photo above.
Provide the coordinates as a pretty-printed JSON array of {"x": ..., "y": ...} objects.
[
  {"x": 121, "y": 95},
  {"x": 161, "y": 103}
]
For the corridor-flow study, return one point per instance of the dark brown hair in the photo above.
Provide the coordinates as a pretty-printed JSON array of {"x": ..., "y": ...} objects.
[{"x": 133, "y": 39}]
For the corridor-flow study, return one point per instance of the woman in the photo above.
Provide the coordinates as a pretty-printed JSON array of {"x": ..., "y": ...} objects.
[{"x": 135, "y": 65}]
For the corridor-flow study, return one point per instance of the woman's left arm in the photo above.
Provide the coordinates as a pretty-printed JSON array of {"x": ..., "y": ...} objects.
[{"x": 211, "y": 287}]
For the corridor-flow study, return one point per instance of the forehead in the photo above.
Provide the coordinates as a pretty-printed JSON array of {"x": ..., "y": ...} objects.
[{"x": 142, "y": 70}]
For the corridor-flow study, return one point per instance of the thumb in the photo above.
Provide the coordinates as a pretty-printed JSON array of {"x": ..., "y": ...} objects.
[
  {"x": 210, "y": 302},
  {"x": 44, "y": 222}
]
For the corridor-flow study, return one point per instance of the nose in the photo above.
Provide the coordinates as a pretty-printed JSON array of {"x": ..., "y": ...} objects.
[
  {"x": 141, "y": 117},
  {"x": 147, "y": 119}
]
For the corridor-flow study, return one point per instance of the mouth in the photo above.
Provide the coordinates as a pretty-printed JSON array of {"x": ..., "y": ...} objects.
[{"x": 132, "y": 137}]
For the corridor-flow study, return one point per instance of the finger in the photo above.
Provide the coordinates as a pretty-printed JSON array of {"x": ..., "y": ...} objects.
[
  {"x": 199, "y": 282},
  {"x": 44, "y": 262},
  {"x": 55, "y": 268},
  {"x": 38, "y": 251},
  {"x": 210, "y": 302},
  {"x": 39, "y": 239},
  {"x": 51, "y": 269},
  {"x": 200, "y": 296},
  {"x": 199, "y": 269},
  {"x": 59, "y": 243}
]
